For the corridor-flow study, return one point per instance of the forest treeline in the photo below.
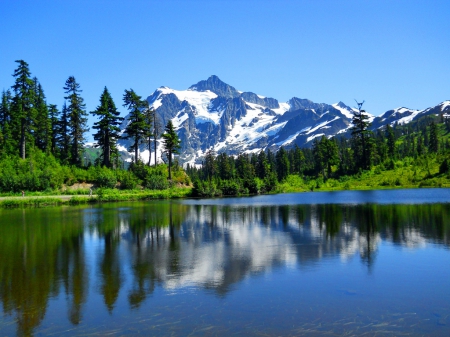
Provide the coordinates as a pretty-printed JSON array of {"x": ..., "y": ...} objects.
[
  {"x": 42, "y": 147},
  {"x": 400, "y": 155}
]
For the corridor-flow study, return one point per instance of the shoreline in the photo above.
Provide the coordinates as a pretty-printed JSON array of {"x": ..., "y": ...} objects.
[{"x": 184, "y": 193}]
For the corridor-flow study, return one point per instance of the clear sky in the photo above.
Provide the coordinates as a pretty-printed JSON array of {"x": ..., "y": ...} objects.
[{"x": 390, "y": 53}]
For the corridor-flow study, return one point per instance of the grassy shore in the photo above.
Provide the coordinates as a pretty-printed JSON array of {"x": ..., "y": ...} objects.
[
  {"x": 102, "y": 195},
  {"x": 401, "y": 175}
]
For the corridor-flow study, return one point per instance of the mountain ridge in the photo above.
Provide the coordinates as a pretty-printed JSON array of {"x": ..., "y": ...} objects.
[{"x": 212, "y": 114}]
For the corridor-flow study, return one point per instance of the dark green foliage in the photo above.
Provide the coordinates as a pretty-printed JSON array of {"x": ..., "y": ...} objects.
[
  {"x": 105, "y": 178},
  {"x": 444, "y": 167},
  {"x": 128, "y": 181},
  {"x": 156, "y": 182},
  {"x": 42, "y": 123},
  {"x": 53, "y": 114},
  {"x": 38, "y": 172},
  {"x": 153, "y": 178},
  {"x": 210, "y": 164},
  {"x": 325, "y": 155},
  {"x": 77, "y": 121},
  {"x": 282, "y": 164},
  {"x": 391, "y": 147},
  {"x": 137, "y": 126},
  {"x": 62, "y": 136},
  {"x": 361, "y": 139},
  {"x": 22, "y": 110},
  {"x": 149, "y": 117},
  {"x": 433, "y": 139},
  {"x": 171, "y": 144},
  {"x": 107, "y": 128}
]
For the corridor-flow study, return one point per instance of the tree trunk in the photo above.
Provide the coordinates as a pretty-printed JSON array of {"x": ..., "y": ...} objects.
[
  {"x": 170, "y": 165},
  {"x": 107, "y": 154},
  {"x": 149, "y": 150},
  {"x": 22, "y": 139},
  {"x": 136, "y": 148}
]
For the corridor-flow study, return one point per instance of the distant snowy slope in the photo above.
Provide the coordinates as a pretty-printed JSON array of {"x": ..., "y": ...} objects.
[{"x": 212, "y": 114}]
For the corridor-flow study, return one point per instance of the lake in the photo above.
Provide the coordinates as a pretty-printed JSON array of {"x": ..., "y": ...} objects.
[{"x": 337, "y": 263}]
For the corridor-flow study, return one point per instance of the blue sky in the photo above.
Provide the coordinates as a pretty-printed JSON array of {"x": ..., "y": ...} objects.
[{"x": 388, "y": 53}]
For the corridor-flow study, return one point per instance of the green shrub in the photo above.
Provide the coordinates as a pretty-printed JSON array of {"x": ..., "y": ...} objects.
[
  {"x": 128, "y": 181},
  {"x": 105, "y": 177},
  {"x": 156, "y": 182}
]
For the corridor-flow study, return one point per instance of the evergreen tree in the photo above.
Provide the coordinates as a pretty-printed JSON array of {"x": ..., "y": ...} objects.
[
  {"x": 171, "y": 143},
  {"x": 326, "y": 155},
  {"x": 149, "y": 116},
  {"x": 360, "y": 138},
  {"x": 262, "y": 165},
  {"x": 107, "y": 126},
  {"x": 62, "y": 135},
  {"x": 346, "y": 163},
  {"x": 420, "y": 145},
  {"x": 23, "y": 111},
  {"x": 77, "y": 120},
  {"x": 5, "y": 107},
  {"x": 210, "y": 164},
  {"x": 137, "y": 126},
  {"x": 42, "y": 128},
  {"x": 434, "y": 141},
  {"x": 297, "y": 161},
  {"x": 225, "y": 166},
  {"x": 53, "y": 114},
  {"x": 244, "y": 169},
  {"x": 282, "y": 164},
  {"x": 8, "y": 143},
  {"x": 156, "y": 132},
  {"x": 391, "y": 147}
]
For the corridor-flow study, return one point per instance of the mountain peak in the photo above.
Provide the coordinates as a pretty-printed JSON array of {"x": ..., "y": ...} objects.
[{"x": 217, "y": 86}]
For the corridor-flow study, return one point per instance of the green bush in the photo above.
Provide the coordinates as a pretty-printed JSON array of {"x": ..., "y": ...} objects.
[
  {"x": 156, "y": 182},
  {"x": 128, "y": 180},
  {"x": 105, "y": 177}
]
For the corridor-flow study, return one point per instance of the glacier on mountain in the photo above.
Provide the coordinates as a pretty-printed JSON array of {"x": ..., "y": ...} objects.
[{"x": 212, "y": 115}]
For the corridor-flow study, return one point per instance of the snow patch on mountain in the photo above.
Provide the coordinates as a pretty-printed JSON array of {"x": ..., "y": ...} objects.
[
  {"x": 321, "y": 125},
  {"x": 444, "y": 105},
  {"x": 251, "y": 127},
  {"x": 409, "y": 118},
  {"x": 179, "y": 119},
  {"x": 199, "y": 99},
  {"x": 282, "y": 109},
  {"x": 314, "y": 136},
  {"x": 347, "y": 112},
  {"x": 289, "y": 140}
]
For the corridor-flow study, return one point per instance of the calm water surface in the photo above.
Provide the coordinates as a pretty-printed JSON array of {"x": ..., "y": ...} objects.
[{"x": 338, "y": 263}]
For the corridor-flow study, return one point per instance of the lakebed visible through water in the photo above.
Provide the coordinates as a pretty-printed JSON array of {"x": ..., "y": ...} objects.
[{"x": 339, "y": 263}]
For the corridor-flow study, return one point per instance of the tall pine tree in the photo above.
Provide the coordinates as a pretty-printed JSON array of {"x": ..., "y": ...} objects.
[
  {"x": 23, "y": 110},
  {"x": 171, "y": 143},
  {"x": 63, "y": 136},
  {"x": 53, "y": 114},
  {"x": 42, "y": 123},
  {"x": 137, "y": 126},
  {"x": 360, "y": 138},
  {"x": 108, "y": 127},
  {"x": 77, "y": 120}
]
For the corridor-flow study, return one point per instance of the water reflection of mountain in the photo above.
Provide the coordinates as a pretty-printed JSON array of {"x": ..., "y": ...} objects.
[
  {"x": 44, "y": 254},
  {"x": 218, "y": 246}
]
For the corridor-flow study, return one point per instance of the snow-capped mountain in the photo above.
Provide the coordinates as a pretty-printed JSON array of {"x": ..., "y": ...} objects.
[{"x": 213, "y": 114}]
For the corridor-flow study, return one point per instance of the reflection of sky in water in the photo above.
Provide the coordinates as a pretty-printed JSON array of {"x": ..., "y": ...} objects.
[
  {"x": 400, "y": 196},
  {"x": 221, "y": 269}
]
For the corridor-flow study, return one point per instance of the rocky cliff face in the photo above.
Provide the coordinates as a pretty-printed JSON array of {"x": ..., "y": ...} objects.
[{"x": 213, "y": 114}]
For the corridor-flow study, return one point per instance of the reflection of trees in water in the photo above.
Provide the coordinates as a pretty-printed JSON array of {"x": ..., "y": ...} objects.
[
  {"x": 175, "y": 245},
  {"x": 217, "y": 246},
  {"x": 41, "y": 252}
]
